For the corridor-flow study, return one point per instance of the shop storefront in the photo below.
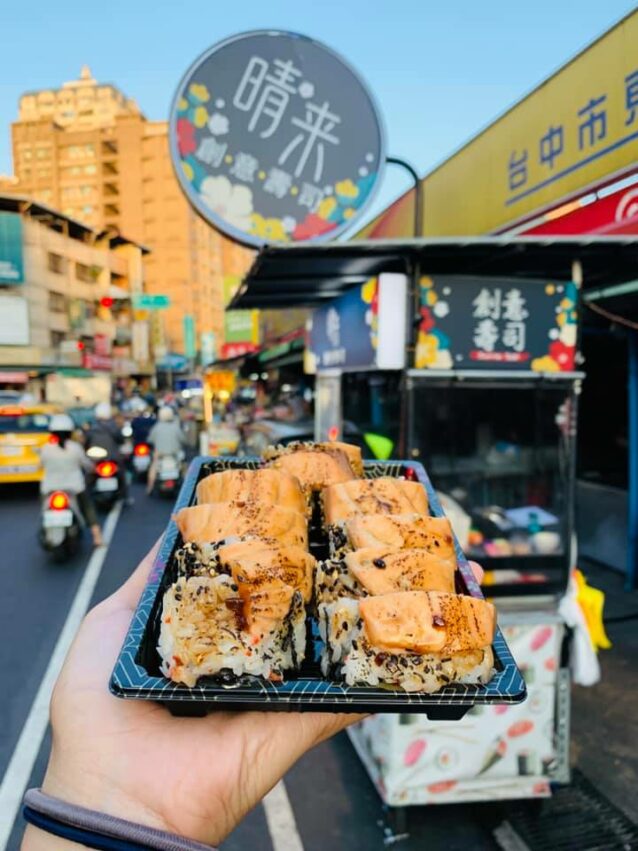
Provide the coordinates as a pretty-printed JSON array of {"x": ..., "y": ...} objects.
[{"x": 483, "y": 356}]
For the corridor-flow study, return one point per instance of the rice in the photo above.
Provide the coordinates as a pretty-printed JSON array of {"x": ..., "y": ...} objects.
[
  {"x": 204, "y": 632},
  {"x": 348, "y": 655}
]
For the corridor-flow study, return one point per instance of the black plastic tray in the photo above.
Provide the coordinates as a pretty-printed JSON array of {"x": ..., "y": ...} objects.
[{"x": 137, "y": 671}]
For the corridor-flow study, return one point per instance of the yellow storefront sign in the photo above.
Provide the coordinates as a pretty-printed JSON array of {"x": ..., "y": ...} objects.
[{"x": 575, "y": 130}]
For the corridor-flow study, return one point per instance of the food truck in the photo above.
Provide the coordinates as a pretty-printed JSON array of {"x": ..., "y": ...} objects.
[{"x": 464, "y": 353}]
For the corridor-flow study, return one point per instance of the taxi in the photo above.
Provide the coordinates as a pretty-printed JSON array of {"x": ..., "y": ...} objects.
[{"x": 24, "y": 429}]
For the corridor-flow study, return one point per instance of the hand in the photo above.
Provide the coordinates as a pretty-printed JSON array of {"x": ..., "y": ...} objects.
[{"x": 197, "y": 777}]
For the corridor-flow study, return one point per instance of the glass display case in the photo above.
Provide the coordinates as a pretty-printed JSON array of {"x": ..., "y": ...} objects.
[{"x": 501, "y": 452}]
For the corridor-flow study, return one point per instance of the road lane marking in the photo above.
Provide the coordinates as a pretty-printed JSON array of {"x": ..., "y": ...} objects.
[
  {"x": 281, "y": 820},
  {"x": 27, "y": 748}
]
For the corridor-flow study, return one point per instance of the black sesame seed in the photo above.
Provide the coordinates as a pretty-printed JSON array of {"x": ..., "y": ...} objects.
[{"x": 378, "y": 562}]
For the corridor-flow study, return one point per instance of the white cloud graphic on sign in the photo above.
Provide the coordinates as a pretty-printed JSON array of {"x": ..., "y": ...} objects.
[
  {"x": 218, "y": 124},
  {"x": 232, "y": 203}
]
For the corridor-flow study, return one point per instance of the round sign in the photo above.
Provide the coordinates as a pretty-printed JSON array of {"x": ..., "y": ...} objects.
[{"x": 275, "y": 139}]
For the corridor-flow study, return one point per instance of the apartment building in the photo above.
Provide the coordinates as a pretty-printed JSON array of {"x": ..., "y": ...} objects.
[
  {"x": 65, "y": 293},
  {"x": 87, "y": 150}
]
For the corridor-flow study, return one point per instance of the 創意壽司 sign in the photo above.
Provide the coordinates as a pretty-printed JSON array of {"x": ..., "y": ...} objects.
[
  {"x": 275, "y": 139},
  {"x": 497, "y": 323}
]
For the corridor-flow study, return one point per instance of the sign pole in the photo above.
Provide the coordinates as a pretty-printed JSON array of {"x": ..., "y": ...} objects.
[{"x": 411, "y": 308}]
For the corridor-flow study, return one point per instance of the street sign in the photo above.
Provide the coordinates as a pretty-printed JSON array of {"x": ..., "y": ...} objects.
[
  {"x": 11, "y": 254},
  {"x": 190, "y": 345},
  {"x": 150, "y": 301},
  {"x": 274, "y": 138},
  {"x": 498, "y": 323}
]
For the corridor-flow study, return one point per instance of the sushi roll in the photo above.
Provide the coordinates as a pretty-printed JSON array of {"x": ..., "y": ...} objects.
[
  {"x": 251, "y": 558},
  {"x": 397, "y": 531},
  {"x": 418, "y": 641},
  {"x": 384, "y": 495},
  {"x": 336, "y": 447},
  {"x": 265, "y": 486},
  {"x": 215, "y": 626},
  {"x": 314, "y": 467},
  {"x": 221, "y": 520},
  {"x": 382, "y": 570}
]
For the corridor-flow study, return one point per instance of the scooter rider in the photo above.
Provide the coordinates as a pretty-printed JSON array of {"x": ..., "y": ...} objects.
[
  {"x": 106, "y": 434},
  {"x": 167, "y": 438},
  {"x": 65, "y": 464}
]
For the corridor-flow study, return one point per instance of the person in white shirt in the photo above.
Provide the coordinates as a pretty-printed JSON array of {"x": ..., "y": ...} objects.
[
  {"x": 167, "y": 438},
  {"x": 65, "y": 463}
]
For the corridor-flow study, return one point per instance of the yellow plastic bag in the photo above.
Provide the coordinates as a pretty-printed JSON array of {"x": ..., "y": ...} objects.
[{"x": 591, "y": 601}]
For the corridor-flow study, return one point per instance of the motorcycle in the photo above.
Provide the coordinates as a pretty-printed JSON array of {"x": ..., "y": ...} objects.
[
  {"x": 169, "y": 475},
  {"x": 141, "y": 460},
  {"x": 105, "y": 484},
  {"x": 61, "y": 525}
]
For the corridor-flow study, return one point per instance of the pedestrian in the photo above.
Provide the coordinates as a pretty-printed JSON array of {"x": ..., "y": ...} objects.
[
  {"x": 65, "y": 463},
  {"x": 167, "y": 439},
  {"x": 176, "y": 782}
]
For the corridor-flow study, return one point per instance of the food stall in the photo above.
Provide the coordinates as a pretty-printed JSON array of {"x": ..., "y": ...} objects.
[{"x": 483, "y": 389}]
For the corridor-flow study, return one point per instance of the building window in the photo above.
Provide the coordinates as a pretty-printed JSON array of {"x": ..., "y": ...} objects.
[
  {"x": 42, "y": 153},
  {"x": 88, "y": 274},
  {"x": 57, "y": 302},
  {"x": 56, "y": 263},
  {"x": 57, "y": 337}
]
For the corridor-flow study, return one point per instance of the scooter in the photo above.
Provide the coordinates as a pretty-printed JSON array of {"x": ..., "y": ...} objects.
[
  {"x": 141, "y": 460},
  {"x": 61, "y": 525},
  {"x": 105, "y": 484},
  {"x": 169, "y": 475}
]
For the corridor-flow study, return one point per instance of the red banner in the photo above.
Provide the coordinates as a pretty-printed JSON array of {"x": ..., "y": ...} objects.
[
  {"x": 616, "y": 214},
  {"x": 92, "y": 361},
  {"x": 237, "y": 350}
]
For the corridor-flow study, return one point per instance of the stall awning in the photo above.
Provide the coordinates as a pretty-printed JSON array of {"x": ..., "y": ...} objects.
[{"x": 309, "y": 275}]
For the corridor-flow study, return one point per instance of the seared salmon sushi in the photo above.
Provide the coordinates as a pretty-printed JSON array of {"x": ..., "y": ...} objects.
[
  {"x": 417, "y": 641},
  {"x": 381, "y": 570}
]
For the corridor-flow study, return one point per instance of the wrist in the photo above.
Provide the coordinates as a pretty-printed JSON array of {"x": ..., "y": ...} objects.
[
  {"x": 93, "y": 791},
  {"x": 35, "y": 839}
]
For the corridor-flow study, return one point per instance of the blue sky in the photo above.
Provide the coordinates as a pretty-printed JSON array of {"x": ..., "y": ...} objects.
[{"x": 440, "y": 70}]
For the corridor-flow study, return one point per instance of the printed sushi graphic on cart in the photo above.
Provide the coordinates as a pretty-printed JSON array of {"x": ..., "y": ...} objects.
[
  {"x": 275, "y": 139},
  {"x": 499, "y": 323},
  {"x": 495, "y": 752}
]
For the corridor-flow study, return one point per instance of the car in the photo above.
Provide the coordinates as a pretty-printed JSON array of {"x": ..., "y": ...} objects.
[{"x": 24, "y": 429}]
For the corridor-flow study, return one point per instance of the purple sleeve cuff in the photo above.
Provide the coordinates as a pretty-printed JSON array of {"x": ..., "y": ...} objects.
[{"x": 111, "y": 826}]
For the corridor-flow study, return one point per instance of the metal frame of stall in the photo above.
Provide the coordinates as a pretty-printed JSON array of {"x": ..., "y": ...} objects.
[{"x": 314, "y": 275}]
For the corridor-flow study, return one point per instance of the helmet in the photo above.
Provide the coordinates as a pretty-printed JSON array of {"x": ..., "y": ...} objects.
[
  {"x": 166, "y": 414},
  {"x": 61, "y": 422},
  {"x": 103, "y": 411}
]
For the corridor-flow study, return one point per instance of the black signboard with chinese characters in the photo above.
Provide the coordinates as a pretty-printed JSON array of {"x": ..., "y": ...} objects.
[
  {"x": 497, "y": 323},
  {"x": 275, "y": 139}
]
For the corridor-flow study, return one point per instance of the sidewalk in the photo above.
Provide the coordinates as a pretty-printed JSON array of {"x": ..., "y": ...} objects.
[{"x": 605, "y": 717}]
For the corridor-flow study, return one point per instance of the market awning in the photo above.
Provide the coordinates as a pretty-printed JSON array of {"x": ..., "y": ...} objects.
[{"x": 309, "y": 275}]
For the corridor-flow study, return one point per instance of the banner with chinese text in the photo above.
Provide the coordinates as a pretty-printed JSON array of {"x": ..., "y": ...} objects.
[{"x": 496, "y": 323}]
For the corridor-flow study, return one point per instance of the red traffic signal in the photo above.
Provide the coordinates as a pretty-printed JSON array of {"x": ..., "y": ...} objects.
[{"x": 106, "y": 301}]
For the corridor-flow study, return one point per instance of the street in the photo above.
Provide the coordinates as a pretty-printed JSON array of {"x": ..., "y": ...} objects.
[{"x": 332, "y": 801}]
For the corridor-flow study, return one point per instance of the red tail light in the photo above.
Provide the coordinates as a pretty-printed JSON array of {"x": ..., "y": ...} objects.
[
  {"x": 411, "y": 475},
  {"x": 58, "y": 501},
  {"x": 106, "y": 469},
  {"x": 142, "y": 449}
]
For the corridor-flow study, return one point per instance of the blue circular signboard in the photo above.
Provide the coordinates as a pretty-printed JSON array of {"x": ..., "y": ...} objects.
[{"x": 275, "y": 139}]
